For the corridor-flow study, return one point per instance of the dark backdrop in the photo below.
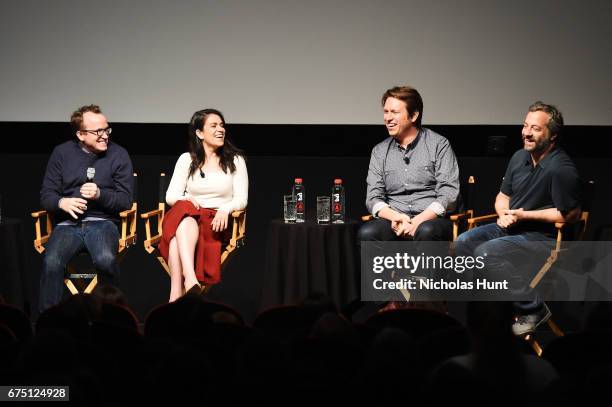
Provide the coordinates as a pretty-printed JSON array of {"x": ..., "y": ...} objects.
[{"x": 276, "y": 154}]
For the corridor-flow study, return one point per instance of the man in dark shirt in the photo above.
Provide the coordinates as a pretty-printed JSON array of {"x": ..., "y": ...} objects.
[
  {"x": 541, "y": 186},
  {"x": 88, "y": 181}
]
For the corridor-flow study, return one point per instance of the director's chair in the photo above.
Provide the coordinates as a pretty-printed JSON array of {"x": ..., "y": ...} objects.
[{"x": 86, "y": 282}]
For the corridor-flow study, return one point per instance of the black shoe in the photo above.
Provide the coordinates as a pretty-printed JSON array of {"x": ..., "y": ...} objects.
[{"x": 195, "y": 289}]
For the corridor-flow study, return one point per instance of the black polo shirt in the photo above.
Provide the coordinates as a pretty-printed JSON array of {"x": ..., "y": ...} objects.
[{"x": 553, "y": 183}]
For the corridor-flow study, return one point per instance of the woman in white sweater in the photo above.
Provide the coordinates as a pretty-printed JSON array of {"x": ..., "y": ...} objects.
[{"x": 208, "y": 183}]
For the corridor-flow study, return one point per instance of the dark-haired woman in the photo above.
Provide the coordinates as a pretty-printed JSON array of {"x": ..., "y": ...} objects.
[{"x": 208, "y": 184}]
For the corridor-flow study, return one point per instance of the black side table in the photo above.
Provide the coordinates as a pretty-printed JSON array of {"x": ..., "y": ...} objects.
[{"x": 306, "y": 258}]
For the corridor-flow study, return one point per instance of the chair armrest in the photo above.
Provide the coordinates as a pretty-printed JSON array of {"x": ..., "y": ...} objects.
[
  {"x": 40, "y": 239},
  {"x": 238, "y": 234},
  {"x": 149, "y": 214},
  {"x": 128, "y": 227},
  {"x": 128, "y": 212},
  {"x": 455, "y": 218},
  {"x": 581, "y": 224},
  {"x": 480, "y": 219},
  {"x": 463, "y": 215},
  {"x": 239, "y": 227},
  {"x": 151, "y": 241},
  {"x": 237, "y": 214}
]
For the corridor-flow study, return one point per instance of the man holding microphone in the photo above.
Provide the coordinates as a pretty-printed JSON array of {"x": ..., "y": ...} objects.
[{"x": 87, "y": 183}]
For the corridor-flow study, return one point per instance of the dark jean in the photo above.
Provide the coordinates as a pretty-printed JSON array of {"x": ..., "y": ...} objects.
[
  {"x": 379, "y": 229},
  {"x": 99, "y": 238},
  {"x": 506, "y": 254}
]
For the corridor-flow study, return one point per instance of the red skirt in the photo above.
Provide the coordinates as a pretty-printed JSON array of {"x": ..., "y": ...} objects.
[{"x": 208, "y": 248}]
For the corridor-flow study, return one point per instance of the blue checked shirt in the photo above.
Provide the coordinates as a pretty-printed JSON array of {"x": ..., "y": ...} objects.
[{"x": 424, "y": 175}]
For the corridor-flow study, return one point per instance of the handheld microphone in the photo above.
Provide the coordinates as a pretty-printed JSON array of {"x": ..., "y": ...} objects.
[{"x": 91, "y": 172}]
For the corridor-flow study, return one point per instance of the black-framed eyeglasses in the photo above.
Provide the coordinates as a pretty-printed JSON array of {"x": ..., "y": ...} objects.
[{"x": 99, "y": 132}]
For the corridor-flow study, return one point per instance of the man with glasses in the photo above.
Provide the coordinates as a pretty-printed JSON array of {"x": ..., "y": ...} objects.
[{"x": 87, "y": 183}]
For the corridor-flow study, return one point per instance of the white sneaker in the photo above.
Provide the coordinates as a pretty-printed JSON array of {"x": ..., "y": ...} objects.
[{"x": 526, "y": 324}]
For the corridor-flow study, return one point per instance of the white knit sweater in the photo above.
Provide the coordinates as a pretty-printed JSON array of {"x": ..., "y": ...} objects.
[{"x": 218, "y": 190}]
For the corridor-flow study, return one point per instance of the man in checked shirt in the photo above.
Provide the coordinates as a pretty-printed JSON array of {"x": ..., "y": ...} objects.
[{"x": 413, "y": 178}]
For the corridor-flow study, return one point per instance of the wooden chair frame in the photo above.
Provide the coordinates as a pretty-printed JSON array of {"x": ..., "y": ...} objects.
[
  {"x": 128, "y": 238},
  {"x": 560, "y": 227},
  {"x": 237, "y": 239}
]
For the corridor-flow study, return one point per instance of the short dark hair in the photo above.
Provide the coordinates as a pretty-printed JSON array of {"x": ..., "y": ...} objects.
[
  {"x": 555, "y": 124},
  {"x": 76, "y": 120},
  {"x": 410, "y": 96}
]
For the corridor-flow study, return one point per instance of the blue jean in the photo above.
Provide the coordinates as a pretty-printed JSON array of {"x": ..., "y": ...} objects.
[
  {"x": 99, "y": 238},
  {"x": 505, "y": 255}
]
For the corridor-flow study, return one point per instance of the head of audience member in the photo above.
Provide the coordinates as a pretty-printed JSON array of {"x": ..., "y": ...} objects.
[
  {"x": 110, "y": 294},
  {"x": 91, "y": 128},
  {"x": 541, "y": 128},
  {"x": 73, "y": 315},
  {"x": 403, "y": 110},
  {"x": 207, "y": 134}
]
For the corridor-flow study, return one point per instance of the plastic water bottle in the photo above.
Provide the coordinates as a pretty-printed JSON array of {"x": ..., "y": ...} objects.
[
  {"x": 299, "y": 192},
  {"x": 337, "y": 200}
]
